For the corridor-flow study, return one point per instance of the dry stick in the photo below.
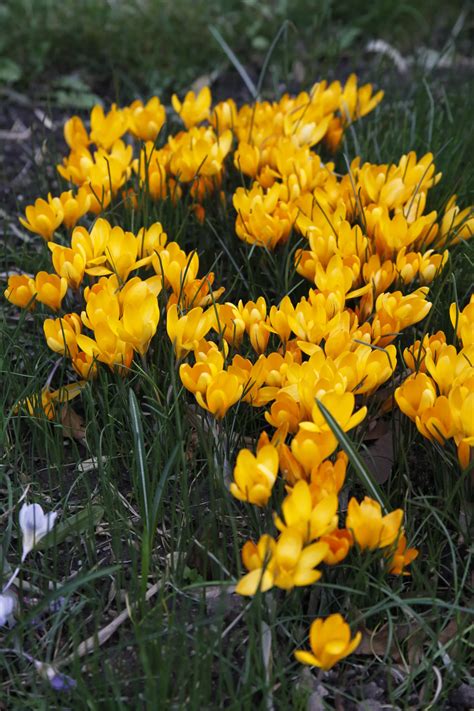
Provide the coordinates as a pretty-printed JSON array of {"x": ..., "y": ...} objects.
[{"x": 89, "y": 644}]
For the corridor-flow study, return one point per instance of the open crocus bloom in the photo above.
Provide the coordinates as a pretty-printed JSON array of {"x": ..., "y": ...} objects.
[{"x": 34, "y": 524}]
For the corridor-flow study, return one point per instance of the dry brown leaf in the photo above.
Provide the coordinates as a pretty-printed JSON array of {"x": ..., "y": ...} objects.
[
  {"x": 73, "y": 424},
  {"x": 379, "y": 457}
]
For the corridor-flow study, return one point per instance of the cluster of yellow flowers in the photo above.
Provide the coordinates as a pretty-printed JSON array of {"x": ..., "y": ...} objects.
[
  {"x": 369, "y": 251},
  {"x": 439, "y": 394}
]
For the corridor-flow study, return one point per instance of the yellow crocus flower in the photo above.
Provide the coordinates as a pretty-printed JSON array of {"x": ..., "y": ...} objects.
[
  {"x": 44, "y": 217},
  {"x": 370, "y": 529},
  {"x": 185, "y": 332},
  {"x": 255, "y": 476},
  {"x": 330, "y": 641}
]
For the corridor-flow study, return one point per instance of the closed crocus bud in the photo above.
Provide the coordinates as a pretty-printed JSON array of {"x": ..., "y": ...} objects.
[
  {"x": 43, "y": 217},
  {"x": 34, "y": 524},
  {"x": 50, "y": 289},
  {"x": 330, "y": 641},
  {"x": 247, "y": 159},
  {"x": 68, "y": 264},
  {"x": 254, "y": 477},
  {"x": 8, "y": 603},
  {"x": 223, "y": 391},
  {"x": 415, "y": 395},
  {"x": 187, "y": 331},
  {"x": 75, "y": 133},
  {"x": 140, "y": 317},
  {"x": 21, "y": 291},
  {"x": 463, "y": 322},
  {"x": 61, "y": 335},
  {"x": 310, "y": 447},
  {"x": 370, "y": 529}
]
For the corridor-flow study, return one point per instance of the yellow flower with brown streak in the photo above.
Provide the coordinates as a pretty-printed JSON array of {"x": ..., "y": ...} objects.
[
  {"x": 21, "y": 291},
  {"x": 186, "y": 331},
  {"x": 301, "y": 515},
  {"x": 194, "y": 108},
  {"x": 370, "y": 529},
  {"x": 146, "y": 121},
  {"x": 68, "y": 264},
  {"x": 401, "y": 557},
  {"x": 330, "y": 641},
  {"x": 50, "y": 289},
  {"x": 74, "y": 206},
  {"x": 61, "y": 334},
  {"x": 44, "y": 217},
  {"x": 255, "y": 476},
  {"x": 463, "y": 321},
  {"x": 223, "y": 391}
]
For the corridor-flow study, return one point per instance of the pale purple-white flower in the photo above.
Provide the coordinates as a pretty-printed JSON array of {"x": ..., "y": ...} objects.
[
  {"x": 34, "y": 524},
  {"x": 8, "y": 603},
  {"x": 59, "y": 681}
]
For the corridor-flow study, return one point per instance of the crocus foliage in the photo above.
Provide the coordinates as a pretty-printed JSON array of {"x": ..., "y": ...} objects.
[{"x": 370, "y": 249}]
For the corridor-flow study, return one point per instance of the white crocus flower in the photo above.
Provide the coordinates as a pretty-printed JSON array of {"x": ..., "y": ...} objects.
[
  {"x": 7, "y": 608},
  {"x": 34, "y": 524}
]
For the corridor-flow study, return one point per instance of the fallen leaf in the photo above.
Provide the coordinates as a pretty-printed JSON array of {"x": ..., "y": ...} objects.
[
  {"x": 73, "y": 424},
  {"x": 379, "y": 457}
]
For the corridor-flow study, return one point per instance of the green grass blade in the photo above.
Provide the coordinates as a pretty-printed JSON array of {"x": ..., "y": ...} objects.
[
  {"x": 137, "y": 431},
  {"x": 361, "y": 471}
]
